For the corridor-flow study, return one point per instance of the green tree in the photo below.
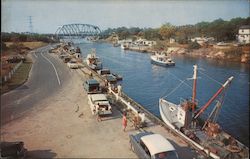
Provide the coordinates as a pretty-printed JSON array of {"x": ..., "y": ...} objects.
[
  {"x": 151, "y": 34},
  {"x": 166, "y": 31}
]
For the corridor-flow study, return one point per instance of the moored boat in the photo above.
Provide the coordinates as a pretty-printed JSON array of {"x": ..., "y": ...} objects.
[
  {"x": 162, "y": 60},
  {"x": 207, "y": 136},
  {"x": 93, "y": 61},
  {"x": 125, "y": 46}
]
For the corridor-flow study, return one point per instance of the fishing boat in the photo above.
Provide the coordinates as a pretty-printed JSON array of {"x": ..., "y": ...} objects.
[
  {"x": 208, "y": 136},
  {"x": 162, "y": 60},
  {"x": 93, "y": 61}
]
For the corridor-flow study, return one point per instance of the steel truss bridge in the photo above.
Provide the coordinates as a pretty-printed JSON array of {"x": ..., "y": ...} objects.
[{"x": 77, "y": 31}]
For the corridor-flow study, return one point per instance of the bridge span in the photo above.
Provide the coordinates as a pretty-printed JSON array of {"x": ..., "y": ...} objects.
[{"x": 77, "y": 31}]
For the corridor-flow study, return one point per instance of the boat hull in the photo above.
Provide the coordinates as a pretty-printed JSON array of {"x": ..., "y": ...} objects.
[
  {"x": 165, "y": 115},
  {"x": 162, "y": 63}
]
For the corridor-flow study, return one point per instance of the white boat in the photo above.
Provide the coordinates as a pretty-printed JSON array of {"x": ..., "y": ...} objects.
[
  {"x": 125, "y": 46},
  {"x": 207, "y": 136},
  {"x": 93, "y": 61},
  {"x": 162, "y": 60}
]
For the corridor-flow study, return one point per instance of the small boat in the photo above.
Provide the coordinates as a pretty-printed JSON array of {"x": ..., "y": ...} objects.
[
  {"x": 93, "y": 61},
  {"x": 117, "y": 76},
  {"x": 207, "y": 136},
  {"x": 162, "y": 60},
  {"x": 125, "y": 46}
]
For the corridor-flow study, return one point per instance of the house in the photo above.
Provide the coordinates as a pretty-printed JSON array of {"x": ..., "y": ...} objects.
[
  {"x": 244, "y": 34},
  {"x": 144, "y": 42},
  {"x": 124, "y": 41},
  {"x": 172, "y": 40},
  {"x": 202, "y": 40}
]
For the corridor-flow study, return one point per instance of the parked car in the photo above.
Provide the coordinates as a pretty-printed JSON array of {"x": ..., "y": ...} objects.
[
  {"x": 99, "y": 102},
  {"x": 63, "y": 56},
  {"x": 72, "y": 64},
  {"x": 66, "y": 59},
  {"x": 148, "y": 145},
  {"x": 12, "y": 150},
  {"x": 92, "y": 86}
]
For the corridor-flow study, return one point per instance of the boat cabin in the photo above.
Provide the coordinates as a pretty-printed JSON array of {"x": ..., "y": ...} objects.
[{"x": 103, "y": 72}]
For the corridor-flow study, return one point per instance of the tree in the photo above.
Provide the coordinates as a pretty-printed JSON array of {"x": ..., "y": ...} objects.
[
  {"x": 151, "y": 34},
  {"x": 166, "y": 31},
  {"x": 124, "y": 34}
]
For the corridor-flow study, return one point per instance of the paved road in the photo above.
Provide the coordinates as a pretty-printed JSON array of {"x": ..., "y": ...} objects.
[{"x": 47, "y": 76}]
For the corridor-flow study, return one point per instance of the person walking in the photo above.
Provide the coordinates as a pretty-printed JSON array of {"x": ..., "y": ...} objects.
[{"x": 124, "y": 121}]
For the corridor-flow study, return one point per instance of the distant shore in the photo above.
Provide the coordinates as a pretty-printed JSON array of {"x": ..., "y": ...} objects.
[{"x": 239, "y": 54}]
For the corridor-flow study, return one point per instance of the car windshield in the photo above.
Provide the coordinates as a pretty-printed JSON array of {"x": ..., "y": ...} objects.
[{"x": 166, "y": 155}]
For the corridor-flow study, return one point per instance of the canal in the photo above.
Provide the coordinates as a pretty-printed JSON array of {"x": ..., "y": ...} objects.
[{"x": 146, "y": 83}]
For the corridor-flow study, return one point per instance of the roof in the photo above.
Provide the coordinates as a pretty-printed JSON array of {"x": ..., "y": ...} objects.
[
  {"x": 245, "y": 27},
  {"x": 111, "y": 78},
  {"x": 98, "y": 97},
  {"x": 92, "y": 81},
  {"x": 157, "y": 144}
]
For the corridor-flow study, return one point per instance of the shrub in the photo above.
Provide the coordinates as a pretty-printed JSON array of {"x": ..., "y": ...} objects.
[{"x": 194, "y": 45}]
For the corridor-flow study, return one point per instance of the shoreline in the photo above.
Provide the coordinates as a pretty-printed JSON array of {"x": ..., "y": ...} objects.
[{"x": 227, "y": 54}]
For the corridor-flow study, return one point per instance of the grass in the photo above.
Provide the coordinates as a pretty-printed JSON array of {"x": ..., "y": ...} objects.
[
  {"x": 31, "y": 45},
  {"x": 18, "y": 78}
]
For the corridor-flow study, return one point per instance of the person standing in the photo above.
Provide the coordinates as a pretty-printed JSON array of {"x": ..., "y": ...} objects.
[
  {"x": 124, "y": 121},
  {"x": 98, "y": 113}
]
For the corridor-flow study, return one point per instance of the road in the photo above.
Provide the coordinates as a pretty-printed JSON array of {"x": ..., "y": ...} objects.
[{"x": 47, "y": 76}]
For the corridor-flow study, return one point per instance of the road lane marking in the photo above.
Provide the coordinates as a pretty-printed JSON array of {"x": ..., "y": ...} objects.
[
  {"x": 35, "y": 54},
  {"x": 54, "y": 69}
]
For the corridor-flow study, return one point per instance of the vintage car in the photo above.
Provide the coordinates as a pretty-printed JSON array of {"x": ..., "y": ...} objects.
[
  {"x": 92, "y": 86},
  {"x": 72, "y": 64},
  {"x": 149, "y": 145},
  {"x": 99, "y": 102},
  {"x": 12, "y": 150}
]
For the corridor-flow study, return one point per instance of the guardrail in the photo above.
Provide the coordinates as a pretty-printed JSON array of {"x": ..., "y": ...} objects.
[{"x": 8, "y": 77}]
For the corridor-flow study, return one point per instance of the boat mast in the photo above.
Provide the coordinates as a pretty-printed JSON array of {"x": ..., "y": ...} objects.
[
  {"x": 194, "y": 87},
  {"x": 214, "y": 96}
]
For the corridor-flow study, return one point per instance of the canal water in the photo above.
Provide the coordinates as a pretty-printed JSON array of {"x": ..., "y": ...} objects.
[{"x": 146, "y": 83}]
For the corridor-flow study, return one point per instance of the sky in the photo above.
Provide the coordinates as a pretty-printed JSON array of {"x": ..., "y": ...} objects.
[{"x": 48, "y": 15}]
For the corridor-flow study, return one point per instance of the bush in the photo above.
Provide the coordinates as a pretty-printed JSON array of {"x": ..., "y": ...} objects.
[
  {"x": 194, "y": 45},
  {"x": 3, "y": 46}
]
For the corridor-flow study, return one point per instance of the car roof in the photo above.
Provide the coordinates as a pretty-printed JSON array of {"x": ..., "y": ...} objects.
[
  {"x": 98, "y": 97},
  {"x": 157, "y": 144},
  {"x": 93, "y": 81}
]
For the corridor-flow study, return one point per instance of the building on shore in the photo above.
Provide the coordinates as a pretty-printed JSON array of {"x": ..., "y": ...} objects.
[
  {"x": 243, "y": 36},
  {"x": 203, "y": 40},
  {"x": 124, "y": 41},
  {"x": 144, "y": 42}
]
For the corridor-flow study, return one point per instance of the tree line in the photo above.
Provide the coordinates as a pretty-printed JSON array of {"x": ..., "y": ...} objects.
[
  {"x": 220, "y": 29},
  {"x": 22, "y": 37}
]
